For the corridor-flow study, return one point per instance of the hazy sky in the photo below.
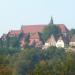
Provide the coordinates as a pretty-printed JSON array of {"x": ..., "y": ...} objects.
[{"x": 14, "y": 13}]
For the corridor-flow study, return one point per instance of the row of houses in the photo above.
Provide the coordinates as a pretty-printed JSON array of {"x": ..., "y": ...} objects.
[
  {"x": 58, "y": 42},
  {"x": 35, "y": 36}
]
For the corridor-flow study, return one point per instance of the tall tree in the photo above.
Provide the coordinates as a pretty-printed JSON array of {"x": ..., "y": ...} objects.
[
  {"x": 27, "y": 40},
  {"x": 51, "y": 30}
]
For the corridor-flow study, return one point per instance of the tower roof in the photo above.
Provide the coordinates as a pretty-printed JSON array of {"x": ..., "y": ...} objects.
[{"x": 51, "y": 21}]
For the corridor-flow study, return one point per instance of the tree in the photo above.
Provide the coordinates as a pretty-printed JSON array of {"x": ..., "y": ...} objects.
[
  {"x": 5, "y": 69},
  {"x": 53, "y": 61},
  {"x": 25, "y": 60},
  {"x": 51, "y": 30},
  {"x": 72, "y": 32},
  {"x": 13, "y": 42},
  {"x": 27, "y": 40},
  {"x": 3, "y": 43}
]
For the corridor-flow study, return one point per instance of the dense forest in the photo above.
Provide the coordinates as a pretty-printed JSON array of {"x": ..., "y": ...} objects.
[{"x": 31, "y": 61}]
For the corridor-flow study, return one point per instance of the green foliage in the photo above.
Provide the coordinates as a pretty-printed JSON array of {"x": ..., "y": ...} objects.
[
  {"x": 54, "y": 61},
  {"x": 5, "y": 69},
  {"x": 32, "y": 61},
  {"x": 3, "y": 43},
  {"x": 26, "y": 60},
  {"x": 51, "y": 29},
  {"x": 9, "y": 51},
  {"x": 13, "y": 42},
  {"x": 27, "y": 40},
  {"x": 60, "y": 63},
  {"x": 72, "y": 31},
  {"x": 10, "y": 42},
  {"x": 20, "y": 35}
]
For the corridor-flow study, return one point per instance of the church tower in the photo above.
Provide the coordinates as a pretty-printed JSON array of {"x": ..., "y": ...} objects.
[{"x": 51, "y": 21}]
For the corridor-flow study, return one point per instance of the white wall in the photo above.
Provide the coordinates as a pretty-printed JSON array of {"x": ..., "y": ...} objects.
[{"x": 60, "y": 43}]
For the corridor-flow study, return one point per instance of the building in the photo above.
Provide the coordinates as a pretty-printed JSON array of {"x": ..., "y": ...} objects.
[
  {"x": 37, "y": 28},
  {"x": 60, "y": 42},
  {"x": 22, "y": 40},
  {"x": 34, "y": 31},
  {"x": 50, "y": 42},
  {"x": 4, "y": 37},
  {"x": 35, "y": 40},
  {"x": 72, "y": 41},
  {"x": 63, "y": 29},
  {"x": 14, "y": 33}
]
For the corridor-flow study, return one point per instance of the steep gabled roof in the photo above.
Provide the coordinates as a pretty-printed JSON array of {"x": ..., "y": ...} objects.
[
  {"x": 51, "y": 39},
  {"x": 65, "y": 39},
  {"x": 63, "y": 28}
]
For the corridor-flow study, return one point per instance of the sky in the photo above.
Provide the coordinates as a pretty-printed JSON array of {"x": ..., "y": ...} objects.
[{"x": 14, "y": 13}]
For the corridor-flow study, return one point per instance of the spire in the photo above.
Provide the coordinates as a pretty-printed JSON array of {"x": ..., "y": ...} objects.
[{"x": 51, "y": 21}]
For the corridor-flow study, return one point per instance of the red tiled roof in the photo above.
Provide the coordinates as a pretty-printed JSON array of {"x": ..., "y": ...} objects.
[
  {"x": 40, "y": 28},
  {"x": 33, "y": 28},
  {"x": 34, "y": 36},
  {"x": 63, "y": 28},
  {"x": 36, "y": 28},
  {"x": 14, "y": 32}
]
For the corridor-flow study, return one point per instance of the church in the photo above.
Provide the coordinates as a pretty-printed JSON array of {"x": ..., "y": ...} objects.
[{"x": 35, "y": 33}]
